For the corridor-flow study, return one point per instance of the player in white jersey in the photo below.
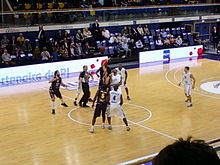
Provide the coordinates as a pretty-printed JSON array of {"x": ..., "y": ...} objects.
[
  {"x": 115, "y": 102},
  {"x": 189, "y": 83},
  {"x": 115, "y": 80},
  {"x": 124, "y": 75}
]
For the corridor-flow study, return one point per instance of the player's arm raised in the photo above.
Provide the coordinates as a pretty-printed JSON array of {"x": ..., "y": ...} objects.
[{"x": 194, "y": 81}]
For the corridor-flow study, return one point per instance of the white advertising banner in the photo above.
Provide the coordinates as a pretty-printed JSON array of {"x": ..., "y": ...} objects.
[
  {"x": 39, "y": 72},
  {"x": 169, "y": 54}
]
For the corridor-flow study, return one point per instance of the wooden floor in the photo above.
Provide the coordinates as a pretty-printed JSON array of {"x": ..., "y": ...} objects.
[{"x": 30, "y": 135}]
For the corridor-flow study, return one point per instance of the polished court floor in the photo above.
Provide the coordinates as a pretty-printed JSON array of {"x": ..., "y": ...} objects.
[{"x": 157, "y": 113}]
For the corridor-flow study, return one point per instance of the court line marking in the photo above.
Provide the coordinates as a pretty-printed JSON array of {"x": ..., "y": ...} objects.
[
  {"x": 98, "y": 125},
  {"x": 202, "y": 91},
  {"x": 169, "y": 81}
]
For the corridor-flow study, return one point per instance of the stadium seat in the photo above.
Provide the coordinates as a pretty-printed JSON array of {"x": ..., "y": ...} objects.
[{"x": 27, "y": 6}]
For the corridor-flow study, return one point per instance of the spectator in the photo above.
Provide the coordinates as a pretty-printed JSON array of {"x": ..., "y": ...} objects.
[
  {"x": 125, "y": 47},
  {"x": 45, "y": 55},
  {"x": 139, "y": 45},
  {"x": 124, "y": 38},
  {"x": 78, "y": 50},
  {"x": 12, "y": 44},
  {"x": 197, "y": 40},
  {"x": 159, "y": 43},
  {"x": 26, "y": 47},
  {"x": 105, "y": 33},
  {"x": 86, "y": 49},
  {"x": 187, "y": 152},
  {"x": 124, "y": 31},
  {"x": 20, "y": 39},
  {"x": 84, "y": 4},
  {"x": 163, "y": 33},
  {"x": 37, "y": 54},
  {"x": 113, "y": 40},
  {"x": 6, "y": 58},
  {"x": 215, "y": 37},
  {"x": 140, "y": 30},
  {"x": 63, "y": 52},
  {"x": 166, "y": 42},
  {"x": 72, "y": 50},
  {"x": 119, "y": 38},
  {"x": 79, "y": 36},
  {"x": 172, "y": 41},
  {"x": 54, "y": 53},
  {"x": 179, "y": 41},
  {"x": 41, "y": 37},
  {"x": 5, "y": 41},
  {"x": 146, "y": 30},
  {"x": 86, "y": 33}
]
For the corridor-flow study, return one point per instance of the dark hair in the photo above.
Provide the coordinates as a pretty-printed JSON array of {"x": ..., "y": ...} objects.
[
  {"x": 187, "y": 152},
  {"x": 115, "y": 87},
  {"x": 55, "y": 73},
  {"x": 186, "y": 67}
]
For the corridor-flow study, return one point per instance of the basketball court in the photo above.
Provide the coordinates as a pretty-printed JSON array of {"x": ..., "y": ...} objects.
[{"x": 157, "y": 114}]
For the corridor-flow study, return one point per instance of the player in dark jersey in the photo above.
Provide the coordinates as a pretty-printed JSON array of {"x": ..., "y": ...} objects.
[
  {"x": 101, "y": 105},
  {"x": 54, "y": 90}
]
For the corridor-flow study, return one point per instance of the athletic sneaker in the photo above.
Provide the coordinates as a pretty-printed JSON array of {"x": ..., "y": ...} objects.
[
  {"x": 64, "y": 104},
  {"x": 187, "y": 100},
  {"x": 109, "y": 127},
  {"x": 103, "y": 126},
  {"x": 128, "y": 128},
  {"x": 75, "y": 103},
  {"x": 90, "y": 100},
  {"x": 85, "y": 106},
  {"x": 91, "y": 130},
  {"x": 189, "y": 105},
  {"x": 53, "y": 111},
  {"x": 128, "y": 98}
]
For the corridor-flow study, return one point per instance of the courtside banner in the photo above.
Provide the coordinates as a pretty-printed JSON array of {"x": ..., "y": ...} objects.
[
  {"x": 170, "y": 54},
  {"x": 41, "y": 72}
]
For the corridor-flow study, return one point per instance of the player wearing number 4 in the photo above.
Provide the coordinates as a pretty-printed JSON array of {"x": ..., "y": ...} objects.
[
  {"x": 115, "y": 102},
  {"x": 54, "y": 90},
  {"x": 124, "y": 75},
  {"x": 188, "y": 85}
]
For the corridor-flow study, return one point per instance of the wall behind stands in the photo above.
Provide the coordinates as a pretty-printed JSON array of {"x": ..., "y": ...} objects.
[{"x": 30, "y": 32}]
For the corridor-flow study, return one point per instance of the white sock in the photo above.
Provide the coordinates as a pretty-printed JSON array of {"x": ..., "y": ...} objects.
[
  {"x": 92, "y": 126},
  {"x": 53, "y": 104},
  {"x": 62, "y": 101}
]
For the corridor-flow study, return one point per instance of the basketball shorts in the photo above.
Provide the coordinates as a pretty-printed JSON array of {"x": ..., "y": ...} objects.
[
  {"x": 100, "y": 109},
  {"x": 115, "y": 110},
  {"x": 187, "y": 89},
  {"x": 54, "y": 93}
]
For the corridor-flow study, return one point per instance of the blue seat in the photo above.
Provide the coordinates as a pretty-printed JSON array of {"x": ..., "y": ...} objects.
[
  {"x": 173, "y": 31},
  {"x": 111, "y": 50},
  {"x": 178, "y": 31}
]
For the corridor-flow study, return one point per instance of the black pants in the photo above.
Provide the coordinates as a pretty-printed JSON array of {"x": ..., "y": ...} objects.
[{"x": 86, "y": 94}]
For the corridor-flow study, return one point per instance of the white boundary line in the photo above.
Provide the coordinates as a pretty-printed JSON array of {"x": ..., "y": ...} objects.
[
  {"x": 80, "y": 122},
  {"x": 169, "y": 81}
]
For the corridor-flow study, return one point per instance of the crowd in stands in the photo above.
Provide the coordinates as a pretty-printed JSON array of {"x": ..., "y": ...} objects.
[
  {"x": 62, "y": 4},
  {"x": 90, "y": 42}
]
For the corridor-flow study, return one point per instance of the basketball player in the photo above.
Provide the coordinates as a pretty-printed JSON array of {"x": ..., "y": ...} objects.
[
  {"x": 115, "y": 80},
  {"x": 101, "y": 105},
  {"x": 54, "y": 90},
  {"x": 124, "y": 75},
  {"x": 115, "y": 102},
  {"x": 104, "y": 73},
  {"x": 188, "y": 85}
]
